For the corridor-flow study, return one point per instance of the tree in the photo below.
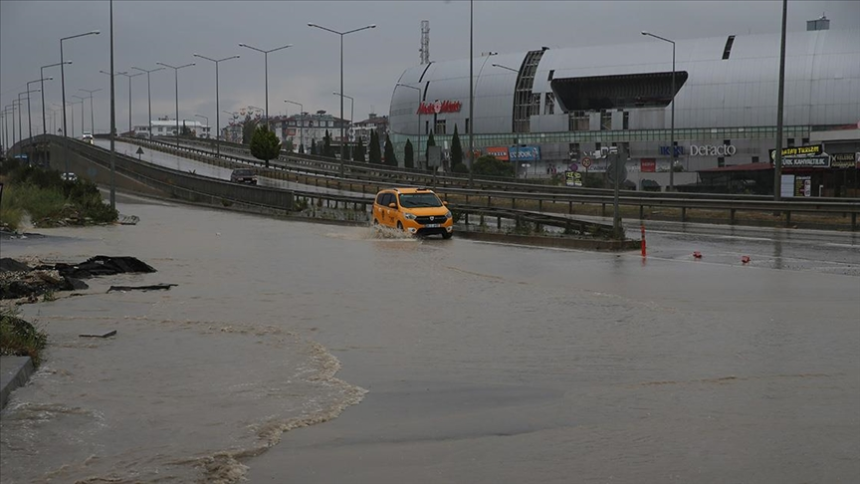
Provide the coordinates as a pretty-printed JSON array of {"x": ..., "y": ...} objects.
[
  {"x": 288, "y": 146},
  {"x": 301, "y": 148},
  {"x": 431, "y": 141},
  {"x": 408, "y": 155},
  {"x": 456, "y": 150},
  {"x": 390, "y": 157},
  {"x": 327, "y": 151},
  {"x": 491, "y": 166},
  {"x": 248, "y": 129},
  {"x": 186, "y": 132},
  {"x": 359, "y": 151},
  {"x": 265, "y": 145},
  {"x": 375, "y": 153},
  {"x": 313, "y": 146}
]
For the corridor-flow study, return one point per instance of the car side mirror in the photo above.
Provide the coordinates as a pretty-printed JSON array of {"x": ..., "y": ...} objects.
[
  {"x": 392, "y": 205},
  {"x": 445, "y": 202}
]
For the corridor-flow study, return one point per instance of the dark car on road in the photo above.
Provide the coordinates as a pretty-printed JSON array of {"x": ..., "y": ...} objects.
[{"x": 243, "y": 175}]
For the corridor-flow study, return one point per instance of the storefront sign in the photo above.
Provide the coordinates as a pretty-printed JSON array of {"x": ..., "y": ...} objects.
[
  {"x": 439, "y": 107},
  {"x": 573, "y": 179},
  {"x": 712, "y": 150},
  {"x": 808, "y": 162},
  {"x": 500, "y": 152},
  {"x": 803, "y": 186},
  {"x": 797, "y": 151},
  {"x": 648, "y": 165},
  {"x": 524, "y": 153},
  {"x": 665, "y": 151},
  {"x": 843, "y": 160}
]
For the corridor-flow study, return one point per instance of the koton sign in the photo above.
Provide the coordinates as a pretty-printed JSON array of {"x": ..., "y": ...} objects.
[
  {"x": 712, "y": 150},
  {"x": 439, "y": 107},
  {"x": 500, "y": 152}
]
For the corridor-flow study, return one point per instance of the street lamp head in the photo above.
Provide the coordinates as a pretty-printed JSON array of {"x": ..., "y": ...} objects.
[
  {"x": 312, "y": 25},
  {"x": 240, "y": 45},
  {"x": 645, "y": 32},
  {"x": 373, "y": 26},
  {"x": 94, "y": 32}
]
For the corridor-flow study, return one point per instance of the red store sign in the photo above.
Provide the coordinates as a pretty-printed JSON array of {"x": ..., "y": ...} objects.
[
  {"x": 648, "y": 165},
  {"x": 439, "y": 107}
]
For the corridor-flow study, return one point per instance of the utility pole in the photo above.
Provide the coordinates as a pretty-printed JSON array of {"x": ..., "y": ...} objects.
[{"x": 777, "y": 155}]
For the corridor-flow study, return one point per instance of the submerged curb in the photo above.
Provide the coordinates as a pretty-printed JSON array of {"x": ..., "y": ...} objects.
[{"x": 15, "y": 372}]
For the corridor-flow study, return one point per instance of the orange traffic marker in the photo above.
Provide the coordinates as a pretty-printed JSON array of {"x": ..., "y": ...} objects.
[
  {"x": 697, "y": 254},
  {"x": 745, "y": 259}
]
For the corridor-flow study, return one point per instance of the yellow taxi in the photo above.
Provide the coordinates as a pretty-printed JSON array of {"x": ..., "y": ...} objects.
[{"x": 417, "y": 211}]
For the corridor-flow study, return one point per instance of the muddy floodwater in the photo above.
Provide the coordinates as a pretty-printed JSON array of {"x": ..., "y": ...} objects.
[{"x": 291, "y": 352}]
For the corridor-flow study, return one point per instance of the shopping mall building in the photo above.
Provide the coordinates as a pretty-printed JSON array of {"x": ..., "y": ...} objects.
[{"x": 550, "y": 109}]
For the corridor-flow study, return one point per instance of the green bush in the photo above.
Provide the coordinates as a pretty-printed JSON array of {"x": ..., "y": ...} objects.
[
  {"x": 20, "y": 338},
  {"x": 490, "y": 166}
]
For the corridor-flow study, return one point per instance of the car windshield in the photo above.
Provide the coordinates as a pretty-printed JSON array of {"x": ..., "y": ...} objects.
[
  {"x": 411, "y": 200},
  {"x": 243, "y": 172}
]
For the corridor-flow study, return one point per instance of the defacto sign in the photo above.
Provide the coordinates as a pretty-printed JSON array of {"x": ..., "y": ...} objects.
[
  {"x": 712, "y": 150},
  {"x": 500, "y": 152},
  {"x": 439, "y": 107}
]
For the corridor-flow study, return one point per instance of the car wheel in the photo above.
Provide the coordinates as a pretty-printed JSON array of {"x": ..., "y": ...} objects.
[{"x": 447, "y": 235}]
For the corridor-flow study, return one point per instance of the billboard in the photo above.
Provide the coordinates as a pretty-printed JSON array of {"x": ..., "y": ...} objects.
[
  {"x": 524, "y": 153},
  {"x": 648, "y": 165},
  {"x": 500, "y": 152}
]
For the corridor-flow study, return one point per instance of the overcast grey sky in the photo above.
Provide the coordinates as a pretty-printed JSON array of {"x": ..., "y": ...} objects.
[{"x": 153, "y": 31}]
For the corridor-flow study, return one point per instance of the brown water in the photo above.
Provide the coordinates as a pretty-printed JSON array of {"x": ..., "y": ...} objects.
[{"x": 481, "y": 362}]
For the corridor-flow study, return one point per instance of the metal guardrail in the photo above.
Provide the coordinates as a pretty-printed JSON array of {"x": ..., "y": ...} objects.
[
  {"x": 732, "y": 204},
  {"x": 498, "y": 183}
]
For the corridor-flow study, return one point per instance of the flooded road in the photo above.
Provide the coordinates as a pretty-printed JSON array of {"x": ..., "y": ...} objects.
[{"x": 481, "y": 362}]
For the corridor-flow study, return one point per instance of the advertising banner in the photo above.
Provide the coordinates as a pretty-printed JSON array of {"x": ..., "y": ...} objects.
[
  {"x": 648, "y": 165},
  {"x": 500, "y": 152},
  {"x": 843, "y": 160},
  {"x": 803, "y": 186},
  {"x": 524, "y": 153}
]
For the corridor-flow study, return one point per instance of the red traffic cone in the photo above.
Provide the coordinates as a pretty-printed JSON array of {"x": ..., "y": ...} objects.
[
  {"x": 745, "y": 259},
  {"x": 697, "y": 254}
]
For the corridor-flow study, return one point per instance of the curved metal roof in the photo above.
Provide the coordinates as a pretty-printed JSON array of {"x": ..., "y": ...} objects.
[{"x": 822, "y": 80}]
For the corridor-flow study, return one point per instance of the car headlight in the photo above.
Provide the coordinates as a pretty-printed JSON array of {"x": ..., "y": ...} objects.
[
  {"x": 448, "y": 215},
  {"x": 409, "y": 216}
]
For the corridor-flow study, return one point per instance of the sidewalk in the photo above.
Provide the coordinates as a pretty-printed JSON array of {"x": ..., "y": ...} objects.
[{"x": 15, "y": 372}]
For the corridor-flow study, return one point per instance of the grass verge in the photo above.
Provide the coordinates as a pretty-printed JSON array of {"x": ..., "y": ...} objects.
[{"x": 20, "y": 338}]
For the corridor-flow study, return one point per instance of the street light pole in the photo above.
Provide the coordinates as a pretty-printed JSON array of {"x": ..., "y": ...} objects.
[
  {"x": 29, "y": 121},
  {"x": 301, "y": 121},
  {"x": 471, "y": 88},
  {"x": 63, "y": 78},
  {"x": 217, "y": 100},
  {"x": 20, "y": 129},
  {"x": 42, "y": 87},
  {"x": 266, "y": 62},
  {"x": 149, "y": 94},
  {"x": 176, "y": 91},
  {"x": 419, "y": 119},
  {"x": 777, "y": 155},
  {"x": 92, "y": 113},
  {"x": 672, "y": 100},
  {"x": 82, "y": 101},
  {"x": 207, "y": 124},
  {"x": 129, "y": 95},
  {"x": 342, "y": 34},
  {"x": 351, "y": 110}
]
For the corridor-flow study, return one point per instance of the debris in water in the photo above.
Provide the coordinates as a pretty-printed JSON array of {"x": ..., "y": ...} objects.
[
  {"x": 154, "y": 287},
  {"x": 103, "y": 335}
]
